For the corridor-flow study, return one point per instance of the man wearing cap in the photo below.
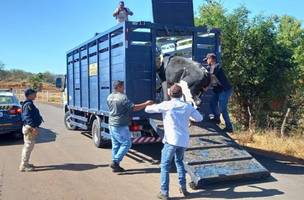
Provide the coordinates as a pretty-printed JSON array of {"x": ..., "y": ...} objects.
[
  {"x": 222, "y": 91},
  {"x": 121, "y": 13},
  {"x": 176, "y": 114},
  {"x": 31, "y": 121},
  {"x": 120, "y": 108}
]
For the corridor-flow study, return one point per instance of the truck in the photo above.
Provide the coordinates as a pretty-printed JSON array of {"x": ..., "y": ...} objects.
[{"x": 127, "y": 53}]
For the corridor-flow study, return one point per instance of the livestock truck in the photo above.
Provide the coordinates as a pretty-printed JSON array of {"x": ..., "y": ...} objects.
[{"x": 127, "y": 52}]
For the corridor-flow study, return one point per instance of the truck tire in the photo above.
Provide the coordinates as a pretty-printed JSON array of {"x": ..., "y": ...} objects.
[
  {"x": 98, "y": 140},
  {"x": 67, "y": 119}
]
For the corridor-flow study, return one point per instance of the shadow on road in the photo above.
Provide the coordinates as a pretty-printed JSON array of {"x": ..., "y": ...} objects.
[
  {"x": 141, "y": 171},
  {"x": 45, "y": 136},
  {"x": 69, "y": 167},
  {"x": 230, "y": 193},
  {"x": 280, "y": 166}
]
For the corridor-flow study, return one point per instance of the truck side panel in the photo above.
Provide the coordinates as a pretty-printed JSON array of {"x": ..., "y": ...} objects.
[
  {"x": 140, "y": 66},
  {"x": 84, "y": 79},
  {"x": 77, "y": 79},
  {"x": 93, "y": 77},
  {"x": 104, "y": 71},
  {"x": 117, "y": 54},
  {"x": 70, "y": 80}
]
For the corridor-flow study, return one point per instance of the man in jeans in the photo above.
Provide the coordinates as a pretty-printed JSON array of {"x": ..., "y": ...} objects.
[
  {"x": 176, "y": 115},
  {"x": 222, "y": 91},
  {"x": 31, "y": 121},
  {"x": 120, "y": 108}
]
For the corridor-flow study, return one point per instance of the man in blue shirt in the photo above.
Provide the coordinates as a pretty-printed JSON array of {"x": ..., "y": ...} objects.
[
  {"x": 31, "y": 121},
  {"x": 222, "y": 91},
  {"x": 176, "y": 114},
  {"x": 120, "y": 108}
]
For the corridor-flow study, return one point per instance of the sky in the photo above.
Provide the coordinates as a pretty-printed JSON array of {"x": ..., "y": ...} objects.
[{"x": 36, "y": 34}]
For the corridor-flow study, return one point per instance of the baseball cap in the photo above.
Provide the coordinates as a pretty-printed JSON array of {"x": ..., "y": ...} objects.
[{"x": 210, "y": 55}]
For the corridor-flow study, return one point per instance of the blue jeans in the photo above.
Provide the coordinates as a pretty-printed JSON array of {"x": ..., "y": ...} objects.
[
  {"x": 219, "y": 105},
  {"x": 168, "y": 152},
  {"x": 121, "y": 142}
]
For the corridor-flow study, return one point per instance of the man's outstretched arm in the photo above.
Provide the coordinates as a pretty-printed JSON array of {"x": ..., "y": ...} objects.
[{"x": 138, "y": 107}]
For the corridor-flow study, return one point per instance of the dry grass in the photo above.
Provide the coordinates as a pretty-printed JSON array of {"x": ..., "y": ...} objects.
[{"x": 271, "y": 141}]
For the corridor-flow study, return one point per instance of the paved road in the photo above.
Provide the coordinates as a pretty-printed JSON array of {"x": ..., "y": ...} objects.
[{"x": 70, "y": 167}]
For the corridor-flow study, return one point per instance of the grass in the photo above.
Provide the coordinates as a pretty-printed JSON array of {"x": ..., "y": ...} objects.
[{"x": 271, "y": 141}]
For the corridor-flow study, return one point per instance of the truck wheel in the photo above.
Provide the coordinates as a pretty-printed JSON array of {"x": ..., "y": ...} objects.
[
  {"x": 98, "y": 140},
  {"x": 67, "y": 120}
]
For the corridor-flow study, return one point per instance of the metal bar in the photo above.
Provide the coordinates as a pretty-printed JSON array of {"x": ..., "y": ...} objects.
[
  {"x": 73, "y": 72},
  {"x": 67, "y": 80},
  {"x": 80, "y": 78},
  {"x": 88, "y": 73},
  {"x": 153, "y": 56},
  {"x": 110, "y": 62},
  {"x": 210, "y": 147},
  {"x": 219, "y": 161},
  {"x": 79, "y": 125},
  {"x": 98, "y": 76},
  {"x": 84, "y": 119}
]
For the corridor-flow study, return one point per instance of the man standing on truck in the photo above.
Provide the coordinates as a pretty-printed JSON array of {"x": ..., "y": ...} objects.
[
  {"x": 120, "y": 108},
  {"x": 31, "y": 121},
  {"x": 121, "y": 13},
  {"x": 222, "y": 91},
  {"x": 176, "y": 114}
]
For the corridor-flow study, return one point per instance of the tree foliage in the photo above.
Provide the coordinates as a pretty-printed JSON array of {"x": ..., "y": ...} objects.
[
  {"x": 17, "y": 75},
  {"x": 264, "y": 59}
]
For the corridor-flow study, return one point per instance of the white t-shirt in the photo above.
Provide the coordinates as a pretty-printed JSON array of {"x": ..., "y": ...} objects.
[{"x": 122, "y": 16}]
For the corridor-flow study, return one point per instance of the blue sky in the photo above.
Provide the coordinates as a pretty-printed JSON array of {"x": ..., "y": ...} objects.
[{"x": 35, "y": 34}]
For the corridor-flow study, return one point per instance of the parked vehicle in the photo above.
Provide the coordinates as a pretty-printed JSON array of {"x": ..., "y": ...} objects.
[{"x": 10, "y": 114}]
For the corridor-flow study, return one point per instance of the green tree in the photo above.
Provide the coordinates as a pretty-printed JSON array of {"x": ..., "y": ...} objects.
[
  {"x": 263, "y": 57},
  {"x": 36, "y": 81}
]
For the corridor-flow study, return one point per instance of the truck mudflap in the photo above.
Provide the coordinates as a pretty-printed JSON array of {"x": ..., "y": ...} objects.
[{"x": 214, "y": 157}]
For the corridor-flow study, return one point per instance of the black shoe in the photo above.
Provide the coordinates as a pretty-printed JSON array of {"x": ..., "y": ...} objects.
[
  {"x": 214, "y": 120},
  {"x": 184, "y": 192},
  {"x": 228, "y": 130},
  {"x": 162, "y": 196},
  {"x": 116, "y": 168}
]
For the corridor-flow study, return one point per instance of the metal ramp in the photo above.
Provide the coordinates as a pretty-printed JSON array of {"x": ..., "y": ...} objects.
[{"x": 214, "y": 157}]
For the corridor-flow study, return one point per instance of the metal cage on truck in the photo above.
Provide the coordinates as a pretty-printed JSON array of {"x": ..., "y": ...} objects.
[{"x": 127, "y": 52}]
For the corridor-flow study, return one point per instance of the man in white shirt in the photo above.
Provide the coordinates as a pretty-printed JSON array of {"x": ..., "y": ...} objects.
[
  {"x": 176, "y": 115},
  {"x": 121, "y": 13}
]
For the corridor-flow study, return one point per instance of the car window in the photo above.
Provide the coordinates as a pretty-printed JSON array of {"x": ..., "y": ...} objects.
[{"x": 6, "y": 100}]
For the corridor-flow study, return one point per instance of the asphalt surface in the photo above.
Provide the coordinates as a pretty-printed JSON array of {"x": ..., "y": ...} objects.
[{"x": 70, "y": 167}]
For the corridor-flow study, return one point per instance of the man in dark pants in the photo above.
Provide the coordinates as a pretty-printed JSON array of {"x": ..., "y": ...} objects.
[
  {"x": 222, "y": 91},
  {"x": 31, "y": 121},
  {"x": 120, "y": 108},
  {"x": 176, "y": 114}
]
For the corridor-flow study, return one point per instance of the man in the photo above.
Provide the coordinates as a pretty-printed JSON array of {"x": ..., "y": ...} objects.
[
  {"x": 222, "y": 91},
  {"x": 120, "y": 108},
  {"x": 31, "y": 121},
  {"x": 121, "y": 13},
  {"x": 176, "y": 114}
]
